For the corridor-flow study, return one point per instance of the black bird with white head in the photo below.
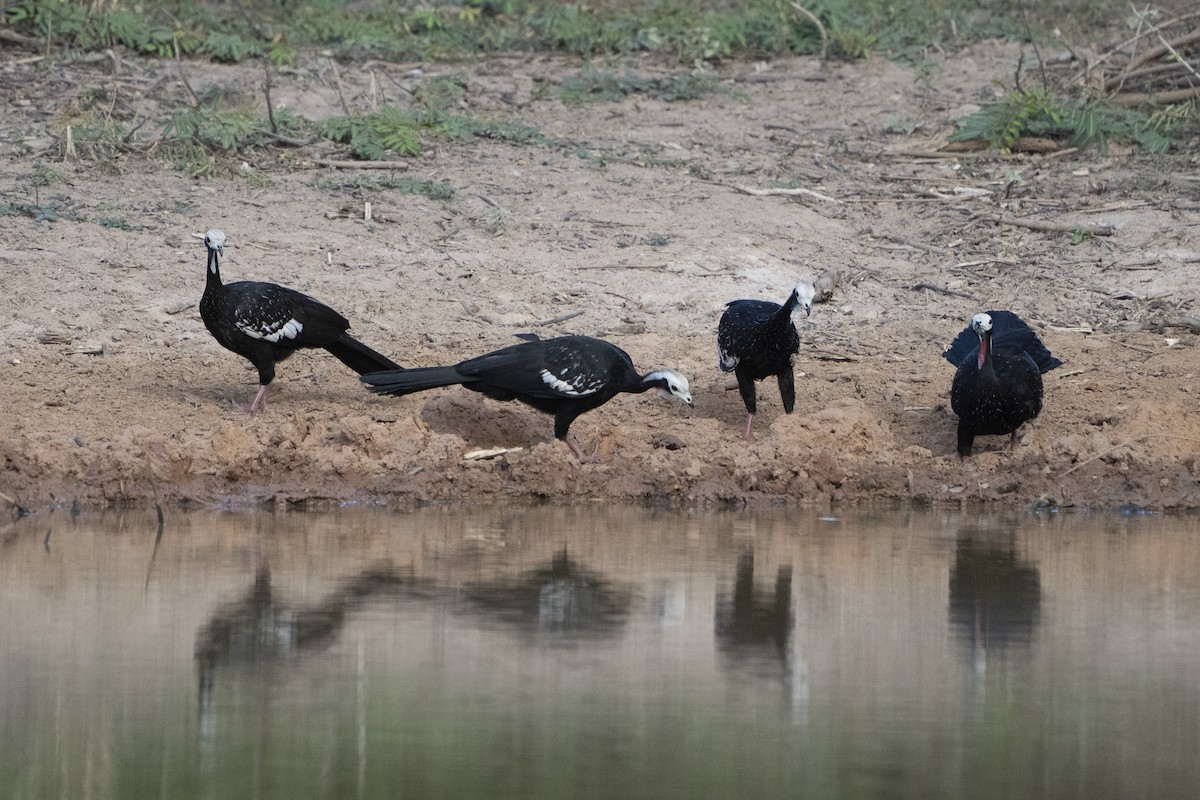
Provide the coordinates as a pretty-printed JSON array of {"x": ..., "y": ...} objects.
[
  {"x": 757, "y": 339},
  {"x": 998, "y": 385},
  {"x": 565, "y": 376},
  {"x": 266, "y": 323}
]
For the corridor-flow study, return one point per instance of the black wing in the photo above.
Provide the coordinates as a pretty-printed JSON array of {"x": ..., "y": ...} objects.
[
  {"x": 282, "y": 316},
  {"x": 738, "y": 330},
  {"x": 563, "y": 367}
]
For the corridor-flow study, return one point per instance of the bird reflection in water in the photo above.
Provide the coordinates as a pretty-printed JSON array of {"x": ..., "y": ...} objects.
[
  {"x": 262, "y": 630},
  {"x": 995, "y": 597},
  {"x": 751, "y": 623},
  {"x": 562, "y": 598}
]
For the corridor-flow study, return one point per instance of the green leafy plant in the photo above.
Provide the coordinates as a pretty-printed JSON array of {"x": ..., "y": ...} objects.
[
  {"x": 1081, "y": 122},
  {"x": 851, "y": 41},
  {"x": 120, "y": 223},
  {"x": 44, "y": 212},
  {"x": 209, "y": 127},
  {"x": 81, "y": 26},
  {"x": 230, "y": 47},
  {"x": 404, "y": 184},
  {"x": 389, "y": 129},
  {"x": 44, "y": 175},
  {"x": 372, "y": 136},
  {"x": 1018, "y": 114}
]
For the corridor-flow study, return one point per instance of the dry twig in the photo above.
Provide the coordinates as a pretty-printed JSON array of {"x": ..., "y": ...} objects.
[
  {"x": 799, "y": 192},
  {"x": 1055, "y": 227},
  {"x": 558, "y": 319},
  {"x": 321, "y": 162},
  {"x": 943, "y": 290},
  {"x": 820, "y": 28}
]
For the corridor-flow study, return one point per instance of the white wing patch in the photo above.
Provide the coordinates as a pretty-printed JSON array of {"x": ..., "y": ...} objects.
[
  {"x": 577, "y": 389},
  {"x": 271, "y": 331}
]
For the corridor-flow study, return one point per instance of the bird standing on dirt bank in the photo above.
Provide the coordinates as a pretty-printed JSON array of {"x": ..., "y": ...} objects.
[
  {"x": 757, "y": 339},
  {"x": 564, "y": 376},
  {"x": 266, "y": 323},
  {"x": 998, "y": 385}
]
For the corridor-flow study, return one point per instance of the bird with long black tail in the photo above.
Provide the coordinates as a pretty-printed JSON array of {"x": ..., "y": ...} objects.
[
  {"x": 565, "y": 376},
  {"x": 757, "y": 339},
  {"x": 998, "y": 385},
  {"x": 265, "y": 323}
]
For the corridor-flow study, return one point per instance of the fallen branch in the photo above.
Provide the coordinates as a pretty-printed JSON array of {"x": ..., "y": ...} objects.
[
  {"x": 321, "y": 162},
  {"x": 558, "y": 319},
  {"x": 928, "y": 248},
  {"x": 1131, "y": 99},
  {"x": 16, "y": 38},
  {"x": 1159, "y": 51},
  {"x": 1055, "y": 227},
  {"x": 825, "y": 355},
  {"x": 942, "y": 290},
  {"x": 1183, "y": 321},
  {"x": 799, "y": 192}
]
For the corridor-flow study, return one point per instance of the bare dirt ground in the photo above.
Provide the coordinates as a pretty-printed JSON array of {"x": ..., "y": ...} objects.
[{"x": 113, "y": 391}]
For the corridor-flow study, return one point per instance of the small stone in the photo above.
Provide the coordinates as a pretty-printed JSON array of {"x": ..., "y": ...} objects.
[{"x": 668, "y": 441}]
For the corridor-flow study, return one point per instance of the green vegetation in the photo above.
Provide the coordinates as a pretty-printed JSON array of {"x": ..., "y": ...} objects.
[
  {"x": 44, "y": 212},
  {"x": 1082, "y": 122},
  {"x": 394, "y": 130},
  {"x": 44, "y": 175},
  {"x": 120, "y": 223},
  {"x": 691, "y": 31},
  {"x": 360, "y": 183},
  {"x": 591, "y": 85}
]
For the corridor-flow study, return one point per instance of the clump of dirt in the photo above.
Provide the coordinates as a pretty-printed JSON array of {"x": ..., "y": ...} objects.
[{"x": 631, "y": 225}]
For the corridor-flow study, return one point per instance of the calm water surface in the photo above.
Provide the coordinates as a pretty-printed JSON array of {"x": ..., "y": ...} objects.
[{"x": 600, "y": 653}]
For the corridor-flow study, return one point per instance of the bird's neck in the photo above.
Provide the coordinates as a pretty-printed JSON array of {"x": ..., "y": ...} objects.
[
  {"x": 789, "y": 306},
  {"x": 214, "y": 273},
  {"x": 652, "y": 380}
]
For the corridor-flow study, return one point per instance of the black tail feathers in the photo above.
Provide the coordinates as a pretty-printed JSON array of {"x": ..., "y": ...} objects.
[
  {"x": 1010, "y": 334},
  {"x": 406, "y": 381},
  {"x": 358, "y": 357}
]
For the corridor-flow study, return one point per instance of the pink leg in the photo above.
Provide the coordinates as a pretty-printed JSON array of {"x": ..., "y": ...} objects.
[
  {"x": 583, "y": 457},
  {"x": 260, "y": 399},
  {"x": 749, "y": 422}
]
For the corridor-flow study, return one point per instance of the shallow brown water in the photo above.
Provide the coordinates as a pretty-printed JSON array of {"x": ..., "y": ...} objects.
[{"x": 599, "y": 652}]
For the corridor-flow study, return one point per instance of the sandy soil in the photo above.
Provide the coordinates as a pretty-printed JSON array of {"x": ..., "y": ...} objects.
[{"x": 115, "y": 393}]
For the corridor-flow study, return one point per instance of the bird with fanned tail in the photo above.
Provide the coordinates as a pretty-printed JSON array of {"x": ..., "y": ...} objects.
[
  {"x": 265, "y": 323},
  {"x": 565, "y": 376},
  {"x": 757, "y": 339},
  {"x": 998, "y": 385}
]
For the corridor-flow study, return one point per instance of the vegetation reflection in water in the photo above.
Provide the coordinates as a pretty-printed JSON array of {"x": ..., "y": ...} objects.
[{"x": 601, "y": 653}]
